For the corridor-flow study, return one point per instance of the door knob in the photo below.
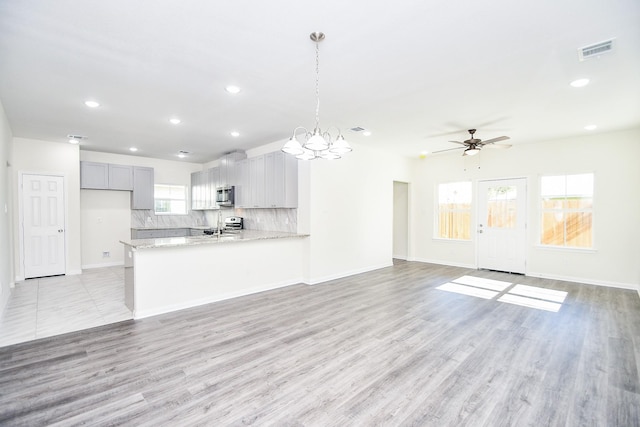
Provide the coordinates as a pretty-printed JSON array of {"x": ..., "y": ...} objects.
[{"x": 60, "y": 230}]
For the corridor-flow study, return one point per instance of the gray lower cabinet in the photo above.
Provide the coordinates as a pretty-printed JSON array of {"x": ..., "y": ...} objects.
[{"x": 142, "y": 195}]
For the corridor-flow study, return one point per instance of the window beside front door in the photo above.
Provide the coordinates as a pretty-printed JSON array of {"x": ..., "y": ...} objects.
[
  {"x": 453, "y": 211},
  {"x": 567, "y": 210}
]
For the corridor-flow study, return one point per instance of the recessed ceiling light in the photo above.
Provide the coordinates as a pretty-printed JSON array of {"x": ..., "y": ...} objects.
[
  {"x": 75, "y": 139},
  {"x": 591, "y": 127},
  {"x": 182, "y": 154},
  {"x": 234, "y": 133},
  {"x": 92, "y": 104},
  {"x": 366, "y": 133},
  {"x": 232, "y": 89},
  {"x": 579, "y": 83},
  {"x": 175, "y": 121},
  {"x": 134, "y": 149}
]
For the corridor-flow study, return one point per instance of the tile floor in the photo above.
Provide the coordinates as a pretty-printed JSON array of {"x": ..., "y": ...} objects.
[{"x": 49, "y": 306}]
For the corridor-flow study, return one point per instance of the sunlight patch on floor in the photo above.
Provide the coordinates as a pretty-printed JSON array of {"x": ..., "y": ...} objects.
[{"x": 523, "y": 295}]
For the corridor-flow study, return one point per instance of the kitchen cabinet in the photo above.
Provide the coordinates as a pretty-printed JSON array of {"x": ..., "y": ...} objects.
[
  {"x": 242, "y": 188},
  {"x": 120, "y": 177},
  {"x": 197, "y": 190},
  {"x": 213, "y": 182},
  {"x": 257, "y": 182},
  {"x": 142, "y": 195},
  {"x": 94, "y": 175},
  {"x": 228, "y": 165},
  {"x": 159, "y": 233},
  {"x": 281, "y": 180},
  {"x": 106, "y": 176},
  {"x": 268, "y": 181}
]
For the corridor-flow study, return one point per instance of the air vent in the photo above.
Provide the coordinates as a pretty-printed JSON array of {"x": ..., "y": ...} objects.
[
  {"x": 357, "y": 129},
  {"x": 595, "y": 50}
]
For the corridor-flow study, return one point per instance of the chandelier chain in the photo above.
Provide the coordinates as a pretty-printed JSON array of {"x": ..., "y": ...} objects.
[{"x": 317, "y": 85}]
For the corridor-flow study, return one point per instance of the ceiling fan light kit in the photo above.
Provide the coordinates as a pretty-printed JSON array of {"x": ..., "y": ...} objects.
[{"x": 317, "y": 144}]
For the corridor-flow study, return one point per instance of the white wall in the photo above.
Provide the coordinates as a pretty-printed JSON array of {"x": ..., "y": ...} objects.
[
  {"x": 6, "y": 204},
  {"x": 613, "y": 157},
  {"x": 348, "y": 204},
  {"x": 106, "y": 215},
  {"x": 35, "y": 156}
]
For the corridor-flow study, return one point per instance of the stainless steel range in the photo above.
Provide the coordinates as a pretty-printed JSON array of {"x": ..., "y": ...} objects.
[{"x": 233, "y": 223}]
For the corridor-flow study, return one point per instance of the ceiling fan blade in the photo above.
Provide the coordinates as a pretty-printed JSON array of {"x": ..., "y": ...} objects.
[
  {"x": 491, "y": 141},
  {"x": 458, "y": 142},
  {"x": 448, "y": 149},
  {"x": 492, "y": 145}
]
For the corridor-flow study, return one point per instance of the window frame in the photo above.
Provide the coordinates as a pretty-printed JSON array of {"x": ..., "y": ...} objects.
[
  {"x": 542, "y": 210},
  {"x": 186, "y": 199},
  {"x": 437, "y": 212}
]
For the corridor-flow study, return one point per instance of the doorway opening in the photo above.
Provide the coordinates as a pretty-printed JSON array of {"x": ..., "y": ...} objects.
[{"x": 400, "y": 220}]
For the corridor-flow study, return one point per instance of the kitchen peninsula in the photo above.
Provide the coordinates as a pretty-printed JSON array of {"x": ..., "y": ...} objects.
[{"x": 168, "y": 274}]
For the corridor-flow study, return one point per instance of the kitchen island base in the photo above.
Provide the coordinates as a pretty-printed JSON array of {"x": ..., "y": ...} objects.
[{"x": 168, "y": 278}]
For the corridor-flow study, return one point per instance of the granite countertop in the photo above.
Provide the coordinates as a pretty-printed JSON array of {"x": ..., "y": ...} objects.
[
  {"x": 235, "y": 236},
  {"x": 175, "y": 227}
]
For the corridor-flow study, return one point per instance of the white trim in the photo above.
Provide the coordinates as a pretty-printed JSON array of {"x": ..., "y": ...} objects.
[
  {"x": 347, "y": 274},
  {"x": 140, "y": 314},
  {"x": 565, "y": 248},
  {"x": 449, "y": 263},
  {"x": 102, "y": 265},
  {"x": 587, "y": 281}
]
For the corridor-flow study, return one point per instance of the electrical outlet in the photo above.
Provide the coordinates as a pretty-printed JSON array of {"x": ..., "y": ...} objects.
[{"x": 106, "y": 254}]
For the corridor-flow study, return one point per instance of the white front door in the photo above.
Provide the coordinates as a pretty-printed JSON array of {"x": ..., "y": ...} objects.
[
  {"x": 502, "y": 225},
  {"x": 43, "y": 225}
]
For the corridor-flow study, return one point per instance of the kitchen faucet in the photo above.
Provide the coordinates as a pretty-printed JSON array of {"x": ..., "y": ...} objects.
[{"x": 219, "y": 225}]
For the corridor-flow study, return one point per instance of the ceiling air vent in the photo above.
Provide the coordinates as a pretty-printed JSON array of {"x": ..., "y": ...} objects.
[{"x": 595, "y": 50}]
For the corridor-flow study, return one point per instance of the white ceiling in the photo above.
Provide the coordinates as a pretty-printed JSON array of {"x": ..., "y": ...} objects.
[{"x": 414, "y": 73}]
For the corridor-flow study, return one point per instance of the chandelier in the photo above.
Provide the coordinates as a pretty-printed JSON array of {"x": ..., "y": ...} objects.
[{"x": 316, "y": 144}]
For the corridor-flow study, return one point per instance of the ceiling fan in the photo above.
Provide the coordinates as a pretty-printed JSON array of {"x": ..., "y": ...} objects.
[{"x": 473, "y": 145}]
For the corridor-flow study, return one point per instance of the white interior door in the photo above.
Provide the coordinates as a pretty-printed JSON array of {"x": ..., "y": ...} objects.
[
  {"x": 43, "y": 225},
  {"x": 502, "y": 225}
]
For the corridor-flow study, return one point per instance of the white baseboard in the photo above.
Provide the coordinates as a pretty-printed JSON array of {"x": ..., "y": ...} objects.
[
  {"x": 347, "y": 273},
  {"x": 102, "y": 265},
  {"x": 587, "y": 281},
  {"x": 440, "y": 262},
  {"x": 140, "y": 314}
]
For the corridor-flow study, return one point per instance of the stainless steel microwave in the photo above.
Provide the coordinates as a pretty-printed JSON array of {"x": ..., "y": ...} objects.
[{"x": 224, "y": 196}]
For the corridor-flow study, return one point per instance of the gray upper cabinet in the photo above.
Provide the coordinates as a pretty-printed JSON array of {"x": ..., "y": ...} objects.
[
  {"x": 142, "y": 195},
  {"x": 281, "y": 180},
  {"x": 257, "y": 185},
  {"x": 120, "y": 177},
  {"x": 197, "y": 190},
  {"x": 106, "y": 176},
  {"x": 242, "y": 190},
  {"x": 94, "y": 175}
]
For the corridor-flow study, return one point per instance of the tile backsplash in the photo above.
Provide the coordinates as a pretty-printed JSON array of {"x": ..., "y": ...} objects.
[
  {"x": 254, "y": 219},
  {"x": 148, "y": 218}
]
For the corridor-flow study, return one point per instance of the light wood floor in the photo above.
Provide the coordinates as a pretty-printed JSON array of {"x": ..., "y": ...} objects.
[{"x": 380, "y": 348}]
